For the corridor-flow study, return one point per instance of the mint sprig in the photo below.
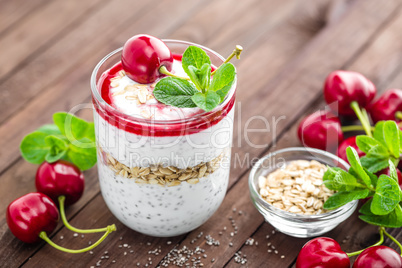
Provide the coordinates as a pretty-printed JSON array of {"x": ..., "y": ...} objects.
[
  {"x": 69, "y": 138},
  {"x": 384, "y": 208},
  {"x": 384, "y": 146},
  {"x": 205, "y": 90}
]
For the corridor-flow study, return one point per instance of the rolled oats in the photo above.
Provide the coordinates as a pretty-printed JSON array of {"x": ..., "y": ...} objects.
[{"x": 297, "y": 188}]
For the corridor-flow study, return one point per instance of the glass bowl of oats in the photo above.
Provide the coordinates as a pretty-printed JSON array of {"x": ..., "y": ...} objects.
[{"x": 286, "y": 187}]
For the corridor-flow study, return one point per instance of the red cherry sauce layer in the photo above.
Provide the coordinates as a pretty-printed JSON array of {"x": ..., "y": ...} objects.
[{"x": 148, "y": 127}]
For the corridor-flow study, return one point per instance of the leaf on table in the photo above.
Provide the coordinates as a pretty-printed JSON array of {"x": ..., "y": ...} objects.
[
  {"x": 83, "y": 158},
  {"x": 329, "y": 176},
  {"x": 391, "y": 220},
  {"x": 355, "y": 163},
  {"x": 378, "y": 133},
  {"x": 373, "y": 164},
  {"x": 386, "y": 197},
  {"x": 366, "y": 143},
  {"x": 341, "y": 198},
  {"x": 50, "y": 129},
  {"x": 34, "y": 148},
  {"x": 58, "y": 148},
  {"x": 391, "y": 136}
]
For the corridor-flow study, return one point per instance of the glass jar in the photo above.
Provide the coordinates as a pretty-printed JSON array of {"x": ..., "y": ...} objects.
[{"x": 162, "y": 177}]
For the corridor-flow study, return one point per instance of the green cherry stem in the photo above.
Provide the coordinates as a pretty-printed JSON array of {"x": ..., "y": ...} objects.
[
  {"x": 236, "y": 52},
  {"x": 363, "y": 117},
  {"x": 44, "y": 236},
  {"x": 382, "y": 230},
  {"x": 393, "y": 240},
  {"x": 61, "y": 199},
  {"x": 354, "y": 128},
  {"x": 164, "y": 70}
]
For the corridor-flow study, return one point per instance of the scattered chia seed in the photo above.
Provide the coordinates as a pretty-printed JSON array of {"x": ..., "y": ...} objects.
[
  {"x": 125, "y": 245},
  {"x": 230, "y": 244},
  {"x": 240, "y": 212},
  {"x": 276, "y": 252},
  {"x": 61, "y": 237},
  {"x": 234, "y": 210},
  {"x": 211, "y": 241},
  {"x": 75, "y": 235},
  {"x": 91, "y": 252},
  {"x": 283, "y": 256},
  {"x": 238, "y": 258},
  {"x": 269, "y": 250},
  {"x": 224, "y": 228},
  {"x": 114, "y": 261},
  {"x": 267, "y": 237},
  {"x": 82, "y": 236},
  {"x": 169, "y": 242},
  {"x": 121, "y": 238},
  {"x": 213, "y": 260}
]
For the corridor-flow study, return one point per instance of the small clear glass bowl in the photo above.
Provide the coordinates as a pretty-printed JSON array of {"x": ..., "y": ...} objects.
[{"x": 297, "y": 225}]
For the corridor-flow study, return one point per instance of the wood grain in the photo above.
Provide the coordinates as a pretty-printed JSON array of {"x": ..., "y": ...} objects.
[{"x": 289, "y": 49}]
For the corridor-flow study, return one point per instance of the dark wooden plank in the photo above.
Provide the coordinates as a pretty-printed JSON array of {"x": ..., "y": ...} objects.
[
  {"x": 13, "y": 12},
  {"x": 23, "y": 41},
  {"x": 250, "y": 219}
]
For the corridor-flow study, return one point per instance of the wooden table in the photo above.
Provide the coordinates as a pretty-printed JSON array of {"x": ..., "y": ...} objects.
[{"x": 48, "y": 50}]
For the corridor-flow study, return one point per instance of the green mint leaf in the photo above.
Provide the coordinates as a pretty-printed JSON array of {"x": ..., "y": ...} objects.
[
  {"x": 206, "y": 101},
  {"x": 194, "y": 56},
  {"x": 34, "y": 148},
  {"x": 341, "y": 198},
  {"x": 343, "y": 181},
  {"x": 373, "y": 164},
  {"x": 400, "y": 141},
  {"x": 175, "y": 92},
  {"x": 391, "y": 136},
  {"x": 386, "y": 197},
  {"x": 83, "y": 158},
  {"x": 223, "y": 80},
  {"x": 372, "y": 177},
  {"x": 378, "y": 151},
  {"x": 329, "y": 176},
  {"x": 378, "y": 133},
  {"x": 366, "y": 208},
  {"x": 58, "y": 148},
  {"x": 392, "y": 171},
  {"x": 74, "y": 128},
  {"x": 391, "y": 220},
  {"x": 366, "y": 143},
  {"x": 49, "y": 129},
  {"x": 354, "y": 161},
  {"x": 200, "y": 77}
]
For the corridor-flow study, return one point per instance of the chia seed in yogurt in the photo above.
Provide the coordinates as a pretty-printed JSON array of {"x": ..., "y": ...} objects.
[{"x": 163, "y": 170}]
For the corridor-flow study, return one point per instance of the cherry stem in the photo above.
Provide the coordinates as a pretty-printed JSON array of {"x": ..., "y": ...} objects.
[
  {"x": 382, "y": 230},
  {"x": 44, "y": 236},
  {"x": 61, "y": 199},
  {"x": 236, "y": 52},
  {"x": 354, "y": 128},
  {"x": 363, "y": 117},
  {"x": 394, "y": 240},
  {"x": 398, "y": 115},
  {"x": 164, "y": 70}
]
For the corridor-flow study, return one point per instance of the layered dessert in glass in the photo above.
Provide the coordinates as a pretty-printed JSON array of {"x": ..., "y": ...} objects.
[{"x": 163, "y": 170}]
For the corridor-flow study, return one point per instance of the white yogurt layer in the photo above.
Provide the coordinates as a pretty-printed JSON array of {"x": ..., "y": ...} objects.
[
  {"x": 122, "y": 100},
  {"x": 153, "y": 209}
]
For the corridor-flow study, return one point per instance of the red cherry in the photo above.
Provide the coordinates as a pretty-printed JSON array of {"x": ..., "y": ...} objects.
[
  {"x": 386, "y": 106},
  {"x": 322, "y": 252},
  {"x": 321, "y": 130},
  {"x": 351, "y": 141},
  {"x": 31, "y": 214},
  {"x": 379, "y": 257},
  {"x": 142, "y": 57},
  {"x": 60, "y": 178},
  {"x": 341, "y": 88}
]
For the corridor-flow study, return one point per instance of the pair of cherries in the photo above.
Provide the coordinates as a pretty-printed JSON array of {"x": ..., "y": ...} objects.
[{"x": 35, "y": 215}]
